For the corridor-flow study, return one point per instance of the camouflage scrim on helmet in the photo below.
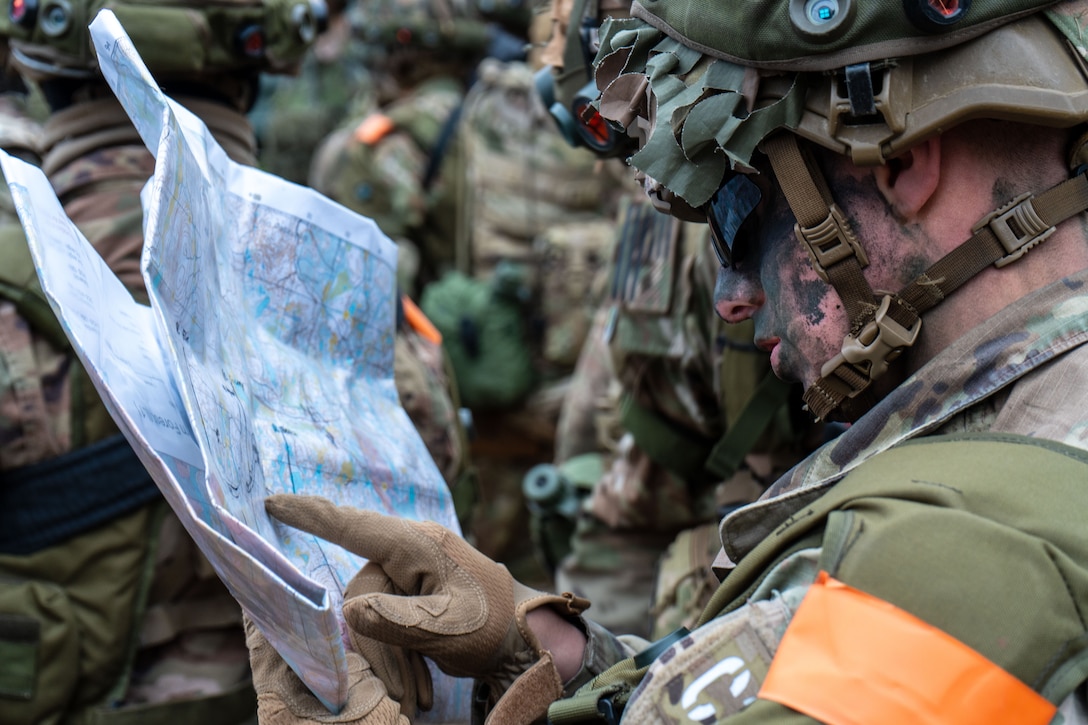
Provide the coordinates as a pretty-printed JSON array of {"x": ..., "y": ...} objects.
[
  {"x": 701, "y": 94},
  {"x": 693, "y": 110}
]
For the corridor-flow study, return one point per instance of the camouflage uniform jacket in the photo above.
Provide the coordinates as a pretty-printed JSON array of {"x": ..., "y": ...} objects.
[
  {"x": 1024, "y": 371},
  {"x": 101, "y": 194}
]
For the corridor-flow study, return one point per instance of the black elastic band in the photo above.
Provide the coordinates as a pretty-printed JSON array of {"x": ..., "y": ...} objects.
[{"x": 46, "y": 503}]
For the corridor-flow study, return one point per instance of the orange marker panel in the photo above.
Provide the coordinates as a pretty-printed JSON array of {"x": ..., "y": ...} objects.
[
  {"x": 419, "y": 322},
  {"x": 373, "y": 129},
  {"x": 849, "y": 658}
]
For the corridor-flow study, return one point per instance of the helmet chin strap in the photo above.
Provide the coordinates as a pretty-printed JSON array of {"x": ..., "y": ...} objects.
[{"x": 883, "y": 327}]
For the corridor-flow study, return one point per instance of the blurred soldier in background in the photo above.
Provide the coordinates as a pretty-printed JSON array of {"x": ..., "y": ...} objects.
[
  {"x": 108, "y": 612},
  {"x": 672, "y": 420},
  {"x": 398, "y": 161},
  {"x": 473, "y": 189},
  {"x": 538, "y": 233},
  {"x": 294, "y": 113}
]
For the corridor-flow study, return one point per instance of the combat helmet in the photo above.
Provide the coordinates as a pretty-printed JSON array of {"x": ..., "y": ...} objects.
[
  {"x": 177, "y": 40},
  {"x": 420, "y": 38},
  {"x": 702, "y": 84}
]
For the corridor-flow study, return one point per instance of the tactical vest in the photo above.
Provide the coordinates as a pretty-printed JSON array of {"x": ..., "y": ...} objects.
[
  {"x": 399, "y": 165},
  {"x": 979, "y": 536},
  {"x": 536, "y": 208},
  {"x": 79, "y": 535}
]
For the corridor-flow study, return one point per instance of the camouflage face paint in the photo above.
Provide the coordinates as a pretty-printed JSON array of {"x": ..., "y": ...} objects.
[{"x": 798, "y": 317}]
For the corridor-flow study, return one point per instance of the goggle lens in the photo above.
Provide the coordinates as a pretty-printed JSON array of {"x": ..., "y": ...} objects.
[{"x": 726, "y": 212}]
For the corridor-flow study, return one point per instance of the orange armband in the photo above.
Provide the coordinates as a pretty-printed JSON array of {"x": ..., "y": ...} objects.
[{"x": 849, "y": 658}]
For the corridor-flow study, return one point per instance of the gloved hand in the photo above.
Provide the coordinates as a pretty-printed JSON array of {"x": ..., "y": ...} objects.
[
  {"x": 402, "y": 671},
  {"x": 428, "y": 590},
  {"x": 282, "y": 698}
]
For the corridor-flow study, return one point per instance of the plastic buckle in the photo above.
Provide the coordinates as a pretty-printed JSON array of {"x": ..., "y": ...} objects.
[
  {"x": 1017, "y": 227},
  {"x": 607, "y": 711},
  {"x": 877, "y": 345},
  {"x": 830, "y": 242}
]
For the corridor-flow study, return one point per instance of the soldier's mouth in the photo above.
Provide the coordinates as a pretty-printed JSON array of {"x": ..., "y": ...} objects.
[
  {"x": 770, "y": 344},
  {"x": 767, "y": 344}
]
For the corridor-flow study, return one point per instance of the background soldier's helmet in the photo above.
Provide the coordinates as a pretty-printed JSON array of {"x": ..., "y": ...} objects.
[
  {"x": 177, "y": 40},
  {"x": 452, "y": 33}
]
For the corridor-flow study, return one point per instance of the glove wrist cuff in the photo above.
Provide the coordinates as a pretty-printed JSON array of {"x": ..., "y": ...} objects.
[{"x": 567, "y": 605}]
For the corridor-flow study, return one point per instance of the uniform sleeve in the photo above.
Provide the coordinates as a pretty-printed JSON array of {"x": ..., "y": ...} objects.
[{"x": 603, "y": 649}]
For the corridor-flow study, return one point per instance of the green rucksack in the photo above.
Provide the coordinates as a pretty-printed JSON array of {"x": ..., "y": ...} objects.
[{"x": 484, "y": 331}]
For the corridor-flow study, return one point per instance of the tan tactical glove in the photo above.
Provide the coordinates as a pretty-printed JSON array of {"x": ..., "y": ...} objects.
[
  {"x": 282, "y": 698},
  {"x": 426, "y": 589}
]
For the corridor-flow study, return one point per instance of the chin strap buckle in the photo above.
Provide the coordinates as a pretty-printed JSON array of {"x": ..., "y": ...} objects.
[
  {"x": 830, "y": 242},
  {"x": 1017, "y": 227},
  {"x": 879, "y": 342}
]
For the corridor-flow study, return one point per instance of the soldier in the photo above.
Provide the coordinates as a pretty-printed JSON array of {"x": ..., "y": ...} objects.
[
  {"x": 663, "y": 430},
  {"x": 294, "y": 113},
  {"x": 396, "y": 158},
  {"x": 398, "y": 163},
  {"x": 873, "y": 175},
  {"x": 109, "y": 610},
  {"x": 489, "y": 209},
  {"x": 538, "y": 234}
]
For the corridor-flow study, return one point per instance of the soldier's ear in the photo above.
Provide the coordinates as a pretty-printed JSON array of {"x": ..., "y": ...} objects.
[{"x": 909, "y": 180}]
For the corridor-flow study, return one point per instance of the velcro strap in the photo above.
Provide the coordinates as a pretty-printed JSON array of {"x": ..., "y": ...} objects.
[
  {"x": 827, "y": 394},
  {"x": 849, "y": 657},
  {"x": 530, "y": 695}
]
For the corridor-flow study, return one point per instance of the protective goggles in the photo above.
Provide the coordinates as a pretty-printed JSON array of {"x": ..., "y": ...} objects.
[
  {"x": 727, "y": 211},
  {"x": 579, "y": 122}
]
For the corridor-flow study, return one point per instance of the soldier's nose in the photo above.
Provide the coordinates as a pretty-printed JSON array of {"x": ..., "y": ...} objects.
[{"x": 737, "y": 295}]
